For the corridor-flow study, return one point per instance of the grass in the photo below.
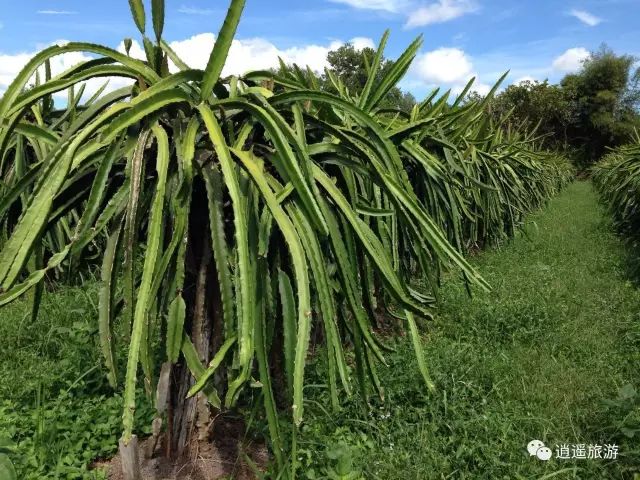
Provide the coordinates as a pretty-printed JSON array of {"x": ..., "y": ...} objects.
[
  {"x": 55, "y": 402},
  {"x": 551, "y": 354}
]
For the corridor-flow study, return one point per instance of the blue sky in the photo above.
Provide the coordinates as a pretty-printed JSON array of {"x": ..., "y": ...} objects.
[{"x": 462, "y": 38}]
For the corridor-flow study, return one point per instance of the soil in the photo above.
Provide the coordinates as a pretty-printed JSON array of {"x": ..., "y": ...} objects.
[{"x": 223, "y": 458}]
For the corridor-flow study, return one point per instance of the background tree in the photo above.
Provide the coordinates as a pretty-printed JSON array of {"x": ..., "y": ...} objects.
[
  {"x": 585, "y": 115},
  {"x": 605, "y": 97},
  {"x": 352, "y": 67},
  {"x": 538, "y": 104}
]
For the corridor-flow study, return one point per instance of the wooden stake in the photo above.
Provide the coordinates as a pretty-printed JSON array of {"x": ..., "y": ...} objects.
[{"x": 130, "y": 459}]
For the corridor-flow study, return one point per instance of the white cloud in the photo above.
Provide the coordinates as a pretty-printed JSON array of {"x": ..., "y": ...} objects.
[
  {"x": 478, "y": 87},
  {"x": 439, "y": 12},
  {"x": 444, "y": 65},
  {"x": 188, "y": 10},
  {"x": 571, "y": 60},
  {"x": 245, "y": 55},
  {"x": 10, "y": 66},
  {"x": 254, "y": 53},
  {"x": 481, "y": 88},
  {"x": 448, "y": 68},
  {"x": 393, "y": 6},
  {"x": 136, "y": 50},
  {"x": 417, "y": 12},
  {"x": 56, "y": 12},
  {"x": 524, "y": 79},
  {"x": 360, "y": 43},
  {"x": 314, "y": 56},
  {"x": 586, "y": 17}
]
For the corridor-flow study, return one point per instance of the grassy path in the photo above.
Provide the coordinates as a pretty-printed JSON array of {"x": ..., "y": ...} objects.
[{"x": 551, "y": 354}]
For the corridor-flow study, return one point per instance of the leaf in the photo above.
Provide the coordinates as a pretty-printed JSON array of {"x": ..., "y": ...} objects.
[
  {"x": 157, "y": 13},
  {"x": 301, "y": 277},
  {"x": 318, "y": 263},
  {"x": 221, "y": 250},
  {"x": 143, "y": 299},
  {"x": 197, "y": 370},
  {"x": 287, "y": 162},
  {"x": 265, "y": 380},
  {"x": 373, "y": 73},
  {"x": 213, "y": 366},
  {"x": 137, "y": 11},
  {"x": 289, "y": 324},
  {"x": 128, "y": 43},
  {"x": 173, "y": 56},
  {"x": 141, "y": 109},
  {"x": 7, "y": 445},
  {"x": 175, "y": 328},
  {"x": 218, "y": 56},
  {"x": 245, "y": 285},
  {"x": 16, "y": 251},
  {"x": 7, "y": 471},
  {"x": 135, "y": 174},
  {"x": 106, "y": 304},
  {"x": 417, "y": 346}
]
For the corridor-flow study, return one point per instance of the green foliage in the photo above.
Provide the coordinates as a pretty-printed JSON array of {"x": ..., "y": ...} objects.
[
  {"x": 197, "y": 193},
  {"x": 57, "y": 408},
  {"x": 617, "y": 177},
  {"x": 61, "y": 437},
  {"x": 551, "y": 353},
  {"x": 539, "y": 106},
  {"x": 353, "y": 66},
  {"x": 605, "y": 93},
  {"x": 588, "y": 112},
  {"x": 7, "y": 470}
]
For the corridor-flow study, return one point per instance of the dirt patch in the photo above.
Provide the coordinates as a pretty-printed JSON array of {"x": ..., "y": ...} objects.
[{"x": 223, "y": 458}]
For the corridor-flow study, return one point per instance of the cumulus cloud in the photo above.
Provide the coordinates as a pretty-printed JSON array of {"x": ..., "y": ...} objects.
[
  {"x": 439, "y": 12},
  {"x": 571, "y": 60},
  {"x": 11, "y": 65},
  {"x": 478, "y": 87},
  {"x": 524, "y": 79},
  {"x": 253, "y": 53},
  {"x": 258, "y": 53},
  {"x": 586, "y": 17},
  {"x": 446, "y": 67},
  {"x": 245, "y": 55},
  {"x": 360, "y": 43},
  {"x": 393, "y": 6}
]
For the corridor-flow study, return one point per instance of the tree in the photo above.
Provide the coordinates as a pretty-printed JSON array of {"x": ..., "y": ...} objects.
[
  {"x": 352, "y": 67},
  {"x": 533, "y": 104},
  {"x": 586, "y": 114},
  {"x": 605, "y": 97}
]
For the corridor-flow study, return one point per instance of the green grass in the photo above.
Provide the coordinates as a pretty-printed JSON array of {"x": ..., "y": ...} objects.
[
  {"x": 552, "y": 353},
  {"x": 55, "y": 402}
]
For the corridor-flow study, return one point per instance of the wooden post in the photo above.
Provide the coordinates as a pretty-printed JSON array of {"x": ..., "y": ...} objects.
[{"x": 130, "y": 459}]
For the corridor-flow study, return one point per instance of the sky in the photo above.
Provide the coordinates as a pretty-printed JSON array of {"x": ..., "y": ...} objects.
[{"x": 536, "y": 40}]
